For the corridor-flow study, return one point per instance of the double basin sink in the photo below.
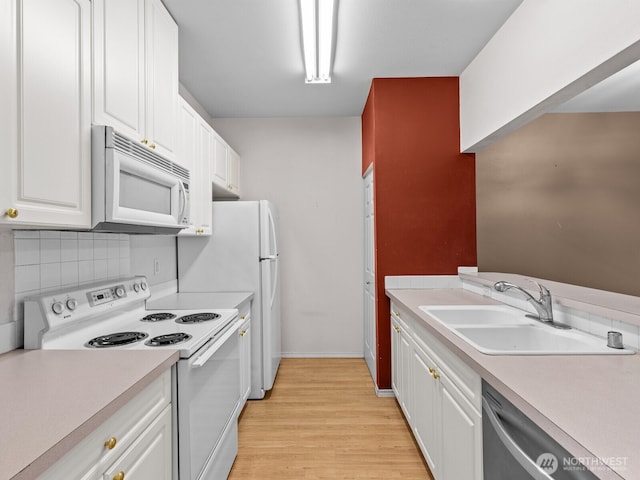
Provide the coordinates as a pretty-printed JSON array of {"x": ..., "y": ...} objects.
[{"x": 504, "y": 330}]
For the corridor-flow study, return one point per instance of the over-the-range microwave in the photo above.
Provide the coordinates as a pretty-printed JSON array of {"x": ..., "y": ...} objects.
[{"x": 133, "y": 189}]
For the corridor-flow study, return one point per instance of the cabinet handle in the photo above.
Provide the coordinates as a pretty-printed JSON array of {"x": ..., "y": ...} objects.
[
  {"x": 243, "y": 333},
  {"x": 110, "y": 444},
  {"x": 397, "y": 314},
  {"x": 397, "y": 329},
  {"x": 144, "y": 141},
  {"x": 431, "y": 370},
  {"x": 152, "y": 146},
  {"x": 119, "y": 476},
  {"x": 11, "y": 212},
  {"x": 242, "y": 317},
  {"x": 435, "y": 374},
  {"x": 230, "y": 187}
]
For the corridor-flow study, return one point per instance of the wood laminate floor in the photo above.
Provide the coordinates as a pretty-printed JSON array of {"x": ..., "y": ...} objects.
[{"x": 322, "y": 420}]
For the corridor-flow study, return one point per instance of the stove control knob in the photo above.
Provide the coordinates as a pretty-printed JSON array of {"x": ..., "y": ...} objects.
[
  {"x": 143, "y": 286},
  {"x": 119, "y": 292},
  {"x": 136, "y": 287},
  {"x": 72, "y": 304},
  {"x": 57, "y": 308}
]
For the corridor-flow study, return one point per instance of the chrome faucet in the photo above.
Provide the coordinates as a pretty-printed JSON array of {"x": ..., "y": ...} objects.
[{"x": 543, "y": 305}]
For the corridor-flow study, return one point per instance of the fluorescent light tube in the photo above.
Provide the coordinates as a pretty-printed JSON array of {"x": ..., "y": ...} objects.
[{"x": 317, "y": 18}]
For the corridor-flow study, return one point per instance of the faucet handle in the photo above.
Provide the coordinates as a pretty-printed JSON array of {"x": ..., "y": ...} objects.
[{"x": 544, "y": 291}]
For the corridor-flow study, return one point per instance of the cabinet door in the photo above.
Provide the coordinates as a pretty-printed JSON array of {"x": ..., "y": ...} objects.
[
  {"x": 461, "y": 436},
  {"x": 47, "y": 176},
  {"x": 219, "y": 167},
  {"x": 187, "y": 152},
  {"x": 396, "y": 362},
  {"x": 202, "y": 180},
  {"x": 406, "y": 352},
  {"x": 161, "y": 53},
  {"x": 426, "y": 407},
  {"x": 245, "y": 361},
  {"x": 150, "y": 455},
  {"x": 119, "y": 66},
  {"x": 233, "y": 172}
]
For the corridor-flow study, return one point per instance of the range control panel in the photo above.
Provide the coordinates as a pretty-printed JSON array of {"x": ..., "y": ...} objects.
[{"x": 56, "y": 310}]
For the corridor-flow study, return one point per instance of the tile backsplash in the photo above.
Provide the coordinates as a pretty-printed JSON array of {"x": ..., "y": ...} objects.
[{"x": 50, "y": 260}]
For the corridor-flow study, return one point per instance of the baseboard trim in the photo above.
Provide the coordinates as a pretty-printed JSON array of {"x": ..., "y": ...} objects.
[
  {"x": 384, "y": 392},
  {"x": 323, "y": 355}
]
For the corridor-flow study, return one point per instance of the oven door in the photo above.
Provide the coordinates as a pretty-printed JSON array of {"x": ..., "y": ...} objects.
[
  {"x": 208, "y": 392},
  {"x": 139, "y": 193}
]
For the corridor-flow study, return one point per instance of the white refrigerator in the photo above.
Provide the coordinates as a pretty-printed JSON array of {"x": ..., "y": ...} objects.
[{"x": 241, "y": 255}]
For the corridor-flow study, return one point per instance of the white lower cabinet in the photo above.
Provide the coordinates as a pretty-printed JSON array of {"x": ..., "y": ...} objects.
[
  {"x": 440, "y": 397},
  {"x": 245, "y": 361},
  {"x": 401, "y": 369},
  {"x": 135, "y": 442}
]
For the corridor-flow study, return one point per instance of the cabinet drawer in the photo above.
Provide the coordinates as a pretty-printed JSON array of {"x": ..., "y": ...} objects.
[
  {"x": 150, "y": 454},
  {"x": 91, "y": 457}
]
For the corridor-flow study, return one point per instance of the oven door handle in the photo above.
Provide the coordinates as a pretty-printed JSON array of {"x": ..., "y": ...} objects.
[{"x": 215, "y": 346}]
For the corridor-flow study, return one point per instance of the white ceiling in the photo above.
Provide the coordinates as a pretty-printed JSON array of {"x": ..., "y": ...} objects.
[{"x": 242, "y": 58}]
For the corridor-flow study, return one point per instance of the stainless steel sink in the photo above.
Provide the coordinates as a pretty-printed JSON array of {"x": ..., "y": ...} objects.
[{"x": 503, "y": 330}]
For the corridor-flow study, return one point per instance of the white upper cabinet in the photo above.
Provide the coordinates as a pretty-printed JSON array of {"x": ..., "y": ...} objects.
[
  {"x": 135, "y": 48},
  {"x": 195, "y": 148},
  {"x": 225, "y": 172},
  {"x": 45, "y": 119}
]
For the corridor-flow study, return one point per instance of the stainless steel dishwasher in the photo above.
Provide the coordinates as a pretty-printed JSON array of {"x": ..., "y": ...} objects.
[{"x": 515, "y": 448}]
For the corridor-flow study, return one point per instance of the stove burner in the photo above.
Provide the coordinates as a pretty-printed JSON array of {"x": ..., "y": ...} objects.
[
  {"x": 169, "y": 339},
  {"x": 198, "y": 317},
  {"x": 158, "y": 316},
  {"x": 116, "y": 339}
]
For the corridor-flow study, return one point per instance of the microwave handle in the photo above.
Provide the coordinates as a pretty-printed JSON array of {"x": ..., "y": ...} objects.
[{"x": 183, "y": 196}]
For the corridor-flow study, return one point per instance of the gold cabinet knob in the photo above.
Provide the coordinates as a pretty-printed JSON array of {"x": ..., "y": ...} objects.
[
  {"x": 431, "y": 370},
  {"x": 397, "y": 314},
  {"x": 243, "y": 333},
  {"x": 242, "y": 317},
  {"x": 11, "y": 212},
  {"x": 397, "y": 329},
  {"x": 153, "y": 146},
  {"x": 435, "y": 374},
  {"x": 144, "y": 141},
  {"x": 110, "y": 444},
  {"x": 119, "y": 476}
]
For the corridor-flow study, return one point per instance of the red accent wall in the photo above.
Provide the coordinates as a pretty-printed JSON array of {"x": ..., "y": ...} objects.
[{"x": 424, "y": 188}]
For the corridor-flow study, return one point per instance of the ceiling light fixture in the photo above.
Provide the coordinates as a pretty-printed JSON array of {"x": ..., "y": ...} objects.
[{"x": 318, "y": 19}]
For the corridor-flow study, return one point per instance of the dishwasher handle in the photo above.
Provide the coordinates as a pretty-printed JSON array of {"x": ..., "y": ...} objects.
[{"x": 518, "y": 454}]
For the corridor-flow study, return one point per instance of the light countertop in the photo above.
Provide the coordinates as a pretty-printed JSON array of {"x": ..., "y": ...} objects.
[
  {"x": 52, "y": 399},
  {"x": 590, "y": 404},
  {"x": 197, "y": 300}
]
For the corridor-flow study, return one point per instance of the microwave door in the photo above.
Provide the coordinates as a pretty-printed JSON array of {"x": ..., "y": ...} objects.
[{"x": 141, "y": 194}]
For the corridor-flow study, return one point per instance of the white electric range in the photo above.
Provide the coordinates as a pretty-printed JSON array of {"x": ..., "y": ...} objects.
[{"x": 206, "y": 378}]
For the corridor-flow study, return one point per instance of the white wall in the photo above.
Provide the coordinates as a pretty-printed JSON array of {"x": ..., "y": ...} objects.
[
  {"x": 311, "y": 168},
  {"x": 545, "y": 53}
]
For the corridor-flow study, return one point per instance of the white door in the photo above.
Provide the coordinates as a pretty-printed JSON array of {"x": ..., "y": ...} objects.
[{"x": 369, "y": 277}]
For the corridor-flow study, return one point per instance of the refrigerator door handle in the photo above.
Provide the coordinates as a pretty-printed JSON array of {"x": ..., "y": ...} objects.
[{"x": 269, "y": 257}]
